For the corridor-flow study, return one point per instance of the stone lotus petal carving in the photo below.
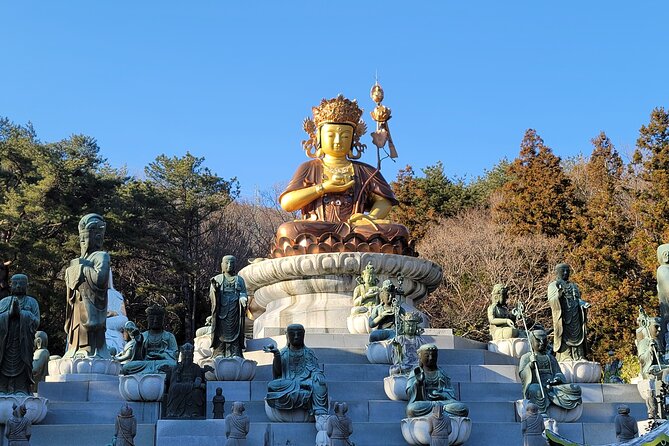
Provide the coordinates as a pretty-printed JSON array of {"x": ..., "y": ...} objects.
[
  {"x": 288, "y": 416},
  {"x": 515, "y": 347},
  {"x": 557, "y": 413},
  {"x": 66, "y": 366},
  {"x": 380, "y": 352},
  {"x": 231, "y": 369},
  {"x": 416, "y": 431},
  {"x": 36, "y": 407},
  {"x": 581, "y": 371},
  {"x": 395, "y": 387},
  {"x": 142, "y": 387},
  {"x": 358, "y": 323}
]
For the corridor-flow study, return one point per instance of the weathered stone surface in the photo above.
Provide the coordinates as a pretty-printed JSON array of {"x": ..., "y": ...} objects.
[
  {"x": 142, "y": 387},
  {"x": 36, "y": 407},
  {"x": 555, "y": 412},
  {"x": 581, "y": 371},
  {"x": 416, "y": 431},
  {"x": 380, "y": 352},
  {"x": 231, "y": 369},
  {"x": 67, "y": 366},
  {"x": 515, "y": 347},
  {"x": 288, "y": 416},
  {"x": 395, "y": 387}
]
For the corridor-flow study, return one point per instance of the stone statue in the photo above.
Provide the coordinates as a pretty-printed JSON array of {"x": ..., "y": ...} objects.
[
  {"x": 407, "y": 343},
  {"x": 19, "y": 427},
  {"x": 218, "y": 401},
  {"x": 19, "y": 319},
  {"x": 116, "y": 317},
  {"x": 626, "y": 425},
  {"x": 569, "y": 316},
  {"x": 228, "y": 311},
  {"x": 502, "y": 320},
  {"x": 4, "y": 279},
  {"x": 543, "y": 382},
  {"x": 366, "y": 294},
  {"x": 532, "y": 427},
  {"x": 132, "y": 351},
  {"x": 159, "y": 347},
  {"x": 339, "y": 426},
  {"x": 383, "y": 317},
  {"x": 236, "y": 426},
  {"x": 347, "y": 200},
  {"x": 87, "y": 281},
  {"x": 663, "y": 288},
  {"x": 186, "y": 389},
  {"x": 126, "y": 427},
  {"x": 206, "y": 330},
  {"x": 651, "y": 360},
  {"x": 40, "y": 358},
  {"x": 298, "y": 380},
  {"x": 612, "y": 370},
  {"x": 429, "y": 386},
  {"x": 439, "y": 427}
]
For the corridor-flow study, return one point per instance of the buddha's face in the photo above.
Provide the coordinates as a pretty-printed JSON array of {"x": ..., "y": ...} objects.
[
  {"x": 228, "y": 265},
  {"x": 155, "y": 321},
  {"x": 428, "y": 358},
  {"x": 18, "y": 285},
  {"x": 563, "y": 272},
  {"x": 295, "y": 338},
  {"x": 336, "y": 139},
  {"x": 90, "y": 241},
  {"x": 411, "y": 328}
]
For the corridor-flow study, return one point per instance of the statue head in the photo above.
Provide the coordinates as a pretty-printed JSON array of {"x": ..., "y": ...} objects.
[
  {"x": 295, "y": 335},
  {"x": 91, "y": 233},
  {"x": 126, "y": 411},
  {"x": 663, "y": 254},
  {"x": 532, "y": 409},
  {"x": 335, "y": 129},
  {"x": 369, "y": 275},
  {"x": 155, "y": 317},
  {"x": 539, "y": 341},
  {"x": 562, "y": 271},
  {"x": 41, "y": 340},
  {"x": 624, "y": 409},
  {"x": 18, "y": 285},
  {"x": 238, "y": 408},
  {"x": 187, "y": 353},
  {"x": 500, "y": 294},
  {"x": 228, "y": 264},
  {"x": 340, "y": 409},
  {"x": 411, "y": 322},
  {"x": 219, "y": 391},
  {"x": 387, "y": 292},
  {"x": 130, "y": 330},
  {"x": 428, "y": 355}
]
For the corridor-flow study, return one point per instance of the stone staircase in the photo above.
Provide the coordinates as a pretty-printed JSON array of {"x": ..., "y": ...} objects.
[{"x": 83, "y": 413}]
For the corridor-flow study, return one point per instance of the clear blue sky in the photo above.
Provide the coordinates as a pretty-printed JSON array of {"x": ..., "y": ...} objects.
[{"x": 232, "y": 80}]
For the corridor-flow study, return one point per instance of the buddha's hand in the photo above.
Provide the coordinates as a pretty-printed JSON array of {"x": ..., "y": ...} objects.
[
  {"x": 418, "y": 373},
  {"x": 362, "y": 219},
  {"x": 511, "y": 323},
  {"x": 335, "y": 186},
  {"x": 270, "y": 349}
]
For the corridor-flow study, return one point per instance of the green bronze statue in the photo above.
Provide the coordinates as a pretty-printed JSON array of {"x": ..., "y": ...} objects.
[
  {"x": 366, "y": 294},
  {"x": 158, "y": 346},
  {"x": 502, "y": 321},
  {"x": 385, "y": 316},
  {"x": 228, "y": 311}
]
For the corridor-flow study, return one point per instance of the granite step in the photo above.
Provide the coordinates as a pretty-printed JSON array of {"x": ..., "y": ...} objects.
[{"x": 87, "y": 435}]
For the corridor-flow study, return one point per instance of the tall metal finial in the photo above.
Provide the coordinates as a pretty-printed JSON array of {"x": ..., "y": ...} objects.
[{"x": 381, "y": 114}]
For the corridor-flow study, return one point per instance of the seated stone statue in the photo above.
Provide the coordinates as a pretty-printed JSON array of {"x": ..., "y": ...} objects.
[
  {"x": 366, "y": 294},
  {"x": 116, "y": 317},
  {"x": 543, "y": 382},
  {"x": 406, "y": 344},
  {"x": 159, "y": 347},
  {"x": 298, "y": 380},
  {"x": 132, "y": 350},
  {"x": 428, "y": 386},
  {"x": 40, "y": 358},
  {"x": 206, "y": 330},
  {"x": 382, "y": 318},
  {"x": 186, "y": 388},
  {"x": 19, "y": 319},
  {"x": 344, "y": 203},
  {"x": 648, "y": 345},
  {"x": 502, "y": 321}
]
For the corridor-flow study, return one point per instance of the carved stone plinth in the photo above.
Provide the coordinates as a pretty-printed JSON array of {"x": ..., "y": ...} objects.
[
  {"x": 93, "y": 366},
  {"x": 557, "y": 413},
  {"x": 288, "y": 416},
  {"x": 515, "y": 347},
  {"x": 395, "y": 387},
  {"x": 416, "y": 431},
  {"x": 138, "y": 387},
  {"x": 380, "y": 352},
  {"x": 231, "y": 369},
  {"x": 358, "y": 323},
  {"x": 581, "y": 371},
  {"x": 315, "y": 289},
  {"x": 36, "y": 407},
  {"x": 321, "y": 430}
]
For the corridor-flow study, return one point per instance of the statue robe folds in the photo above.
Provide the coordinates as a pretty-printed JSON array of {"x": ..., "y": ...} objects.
[
  {"x": 87, "y": 281},
  {"x": 186, "y": 392},
  {"x": 126, "y": 429},
  {"x": 569, "y": 321},
  {"x": 156, "y": 350},
  {"x": 567, "y": 396},
  {"x": 338, "y": 429},
  {"x": 18, "y": 431},
  {"x": 17, "y": 335},
  {"x": 440, "y": 429},
  {"x": 236, "y": 429},
  {"x": 228, "y": 315},
  {"x": 436, "y": 389},
  {"x": 532, "y": 428},
  {"x": 301, "y": 383}
]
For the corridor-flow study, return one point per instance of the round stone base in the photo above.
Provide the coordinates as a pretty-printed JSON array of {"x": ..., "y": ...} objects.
[
  {"x": 581, "y": 371},
  {"x": 395, "y": 387},
  {"x": 36, "y": 407},
  {"x": 231, "y": 369},
  {"x": 380, "y": 352},
  {"x": 515, "y": 347},
  {"x": 358, "y": 323},
  {"x": 138, "y": 387},
  {"x": 288, "y": 416},
  {"x": 68, "y": 366},
  {"x": 557, "y": 413},
  {"x": 416, "y": 431}
]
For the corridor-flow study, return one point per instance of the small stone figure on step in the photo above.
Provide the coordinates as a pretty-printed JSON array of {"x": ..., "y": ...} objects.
[
  {"x": 532, "y": 427},
  {"x": 626, "y": 426},
  {"x": 440, "y": 427},
  {"x": 219, "y": 402},
  {"x": 18, "y": 428},
  {"x": 40, "y": 358},
  {"x": 339, "y": 426},
  {"x": 236, "y": 426}
]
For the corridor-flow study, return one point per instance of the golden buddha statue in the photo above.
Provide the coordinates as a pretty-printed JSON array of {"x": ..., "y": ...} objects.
[{"x": 344, "y": 203}]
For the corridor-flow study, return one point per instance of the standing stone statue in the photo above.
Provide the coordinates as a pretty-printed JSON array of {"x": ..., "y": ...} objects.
[
  {"x": 87, "y": 281},
  {"x": 502, "y": 321},
  {"x": 626, "y": 425},
  {"x": 40, "y": 358},
  {"x": 569, "y": 316},
  {"x": 132, "y": 350},
  {"x": 429, "y": 386},
  {"x": 384, "y": 316},
  {"x": 339, "y": 426},
  {"x": 298, "y": 379},
  {"x": 236, "y": 426},
  {"x": 218, "y": 401},
  {"x": 651, "y": 360},
  {"x": 186, "y": 388},
  {"x": 407, "y": 343},
  {"x": 19, "y": 427},
  {"x": 366, "y": 294},
  {"x": 543, "y": 382},
  {"x": 439, "y": 427},
  {"x": 663, "y": 288},
  {"x": 19, "y": 319},
  {"x": 228, "y": 311},
  {"x": 532, "y": 427},
  {"x": 126, "y": 428},
  {"x": 159, "y": 347}
]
